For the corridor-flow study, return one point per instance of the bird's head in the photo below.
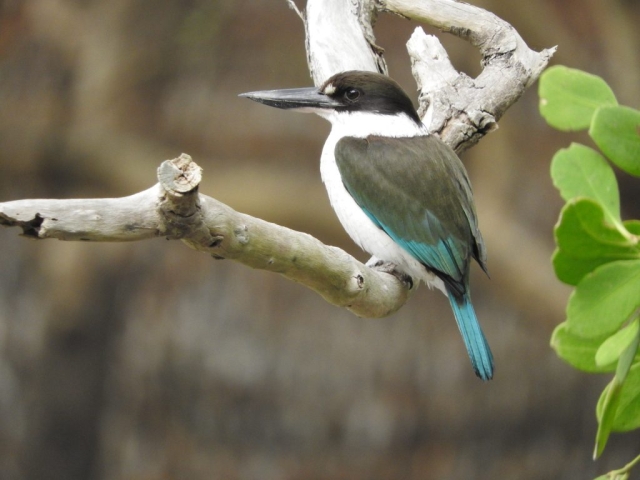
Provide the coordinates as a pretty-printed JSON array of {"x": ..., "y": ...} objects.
[{"x": 343, "y": 95}]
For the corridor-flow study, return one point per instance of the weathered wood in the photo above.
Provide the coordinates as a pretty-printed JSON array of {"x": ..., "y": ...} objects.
[
  {"x": 339, "y": 37},
  {"x": 174, "y": 209},
  {"x": 459, "y": 109}
]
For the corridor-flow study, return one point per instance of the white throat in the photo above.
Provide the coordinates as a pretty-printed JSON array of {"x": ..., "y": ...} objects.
[{"x": 363, "y": 124}]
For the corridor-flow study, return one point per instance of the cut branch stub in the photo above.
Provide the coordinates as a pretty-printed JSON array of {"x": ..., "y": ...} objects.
[
  {"x": 339, "y": 37},
  {"x": 179, "y": 175},
  {"x": 173, "y": 208}
]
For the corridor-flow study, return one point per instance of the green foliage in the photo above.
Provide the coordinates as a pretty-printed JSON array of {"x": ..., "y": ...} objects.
[
  {"x": 586, "y": 240},
  {"x": 604, "y": 299},
  {"x": 597, "y": 252},
  {"x": 613, "y": 347},
  {"x": 569, "y": 98},
  {"x": 580, "y": 171},
  {"x": 616, "y": 131},
  {"x": 579, "y": 352}
]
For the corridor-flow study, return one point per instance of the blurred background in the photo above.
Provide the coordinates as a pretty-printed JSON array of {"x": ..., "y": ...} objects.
[{"x": 151, "y": 361}]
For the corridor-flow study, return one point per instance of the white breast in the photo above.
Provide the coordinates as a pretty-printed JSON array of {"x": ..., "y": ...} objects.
[{"x": 357, "y": 224}]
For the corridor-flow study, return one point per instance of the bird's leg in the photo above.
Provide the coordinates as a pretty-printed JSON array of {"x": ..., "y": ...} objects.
[{"x": 390, "y": 268}]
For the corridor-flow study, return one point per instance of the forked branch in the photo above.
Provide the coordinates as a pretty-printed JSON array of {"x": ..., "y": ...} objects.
[
  {"x": 459, "y": 109},
  {"x": 339, "y": 37}
]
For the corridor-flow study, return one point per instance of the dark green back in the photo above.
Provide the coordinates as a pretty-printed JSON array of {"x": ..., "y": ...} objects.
[{"x": 417, "y": 190}]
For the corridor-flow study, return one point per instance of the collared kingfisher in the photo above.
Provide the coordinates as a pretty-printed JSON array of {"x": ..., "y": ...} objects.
[{"x": 401, "y": 193}]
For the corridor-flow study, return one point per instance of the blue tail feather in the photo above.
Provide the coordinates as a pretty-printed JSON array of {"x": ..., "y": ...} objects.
[{"x": 474, "y": 339}]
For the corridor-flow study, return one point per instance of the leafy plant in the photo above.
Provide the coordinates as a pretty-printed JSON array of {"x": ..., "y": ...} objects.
[{"x": 597, "y": 252}]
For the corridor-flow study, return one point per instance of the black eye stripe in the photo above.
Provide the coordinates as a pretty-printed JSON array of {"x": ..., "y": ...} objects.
[{"x": 368, "y": 92}]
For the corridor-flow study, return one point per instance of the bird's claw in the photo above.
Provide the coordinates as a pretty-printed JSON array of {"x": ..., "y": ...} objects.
[{"x": 391, "y": 269}]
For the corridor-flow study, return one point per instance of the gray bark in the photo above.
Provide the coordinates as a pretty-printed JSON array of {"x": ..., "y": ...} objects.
[
  {"x": 459, "y": 109},
  {"x": 339, "y": 37},
  {"x": 174, "y": 209}
]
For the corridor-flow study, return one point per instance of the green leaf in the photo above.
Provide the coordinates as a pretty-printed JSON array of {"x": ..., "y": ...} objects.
[
  {"x": 580, "y": 171},
  {"x": 571, "y": 269},
  {"x": 577, "y": 351},
  {"x": 611, "y": 405},
  {"x": 632, "y": 226},
  {"x": 616, "y": 131},
  {"x": 586, "y": 240},
  {"x": 613, "y": 346},
  {"x": 618, "y": 407},
  {"x": 569, "y": 97},
  {"x": 628, "y": 415},
  {"x": 604, "y": 299},
  {"x": 606, "y": 413}
]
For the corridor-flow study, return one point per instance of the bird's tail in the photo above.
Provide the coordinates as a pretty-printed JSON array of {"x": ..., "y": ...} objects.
[{"x": 474, "y": 340}]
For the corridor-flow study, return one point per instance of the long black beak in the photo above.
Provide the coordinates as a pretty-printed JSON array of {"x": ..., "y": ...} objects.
[{"x": 292, "y": 98}]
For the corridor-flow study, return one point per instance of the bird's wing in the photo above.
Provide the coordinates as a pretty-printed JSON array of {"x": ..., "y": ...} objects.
[{"x": 417, "y": 190}]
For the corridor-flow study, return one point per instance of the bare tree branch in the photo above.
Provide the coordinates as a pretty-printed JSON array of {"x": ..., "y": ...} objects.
[
  {"x": 459, "y": 109},
  {"x": 174, "y": 209},
  {"x": 339, "y": 37}
]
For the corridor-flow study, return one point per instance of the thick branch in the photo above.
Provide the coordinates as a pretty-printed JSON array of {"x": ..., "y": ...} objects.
[
  {"x": 461, "y": 110},
  {"x": 99, "y": 220},
  {"x": 339, "y": 37},
  {"x": 174, "y": 209}
]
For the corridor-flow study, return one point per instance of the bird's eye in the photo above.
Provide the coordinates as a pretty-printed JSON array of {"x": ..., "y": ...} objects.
[{"x": 352, "y": 94}]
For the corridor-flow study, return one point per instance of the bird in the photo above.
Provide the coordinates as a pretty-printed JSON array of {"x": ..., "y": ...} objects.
[{"x": 400, "y": 192}]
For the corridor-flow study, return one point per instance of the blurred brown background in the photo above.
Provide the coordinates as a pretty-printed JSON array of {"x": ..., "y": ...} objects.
[{"x": 151, "y": 361}]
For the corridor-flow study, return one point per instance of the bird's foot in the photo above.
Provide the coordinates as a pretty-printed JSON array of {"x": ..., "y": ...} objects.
[{"x": 391, "y": 269}]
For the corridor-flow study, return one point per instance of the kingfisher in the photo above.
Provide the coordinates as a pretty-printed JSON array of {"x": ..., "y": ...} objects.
[{"x": 401, "y": 193}]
